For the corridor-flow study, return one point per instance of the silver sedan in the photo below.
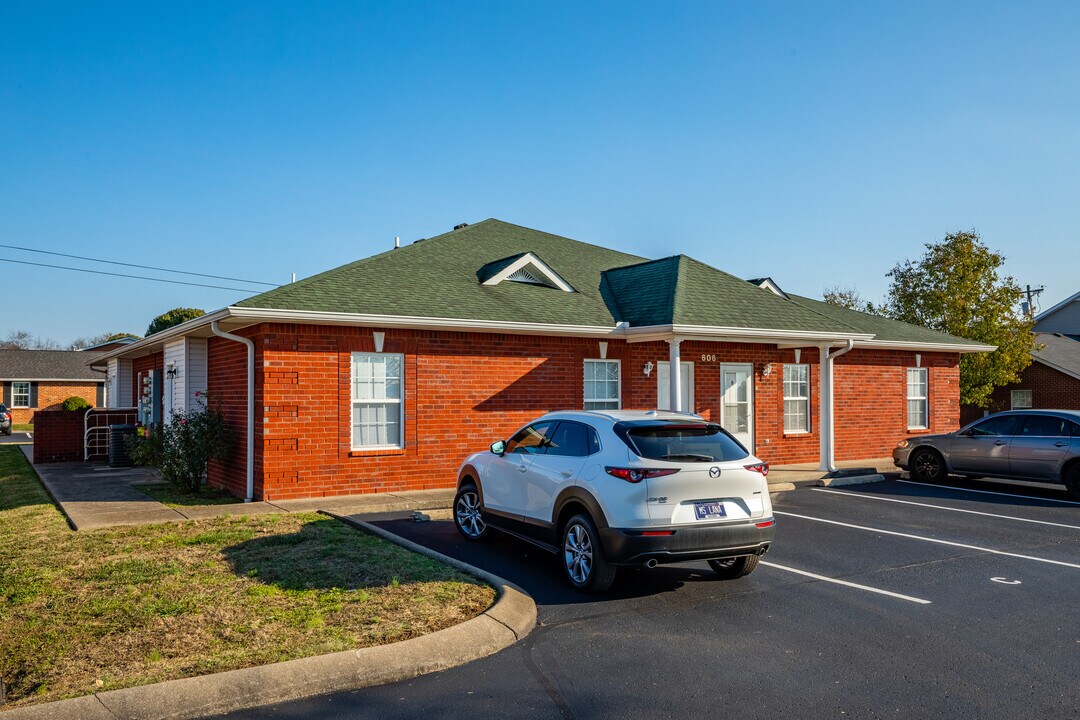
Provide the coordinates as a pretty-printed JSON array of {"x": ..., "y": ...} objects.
[{"x": 1042, "y": 445}]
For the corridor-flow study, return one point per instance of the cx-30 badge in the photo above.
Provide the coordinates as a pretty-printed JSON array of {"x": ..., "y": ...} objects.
[{"x": 714, "y": 472}]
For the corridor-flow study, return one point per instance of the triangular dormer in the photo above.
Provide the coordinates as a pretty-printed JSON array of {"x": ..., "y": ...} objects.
[
  {"x": 769, "y": 284},
  {"x": 524, "y": 268}
]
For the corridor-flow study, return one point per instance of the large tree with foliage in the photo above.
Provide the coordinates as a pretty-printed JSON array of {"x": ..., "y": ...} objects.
[
  {"x": 955, "y": 287},
  {"x": 175, "y": 316}
]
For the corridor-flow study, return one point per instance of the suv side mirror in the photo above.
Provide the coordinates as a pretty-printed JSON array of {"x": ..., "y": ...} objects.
[{"x": 498, "y": 447}]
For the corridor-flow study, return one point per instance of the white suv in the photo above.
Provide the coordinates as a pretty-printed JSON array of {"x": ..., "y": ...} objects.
[{"x": 605, "y": 489}]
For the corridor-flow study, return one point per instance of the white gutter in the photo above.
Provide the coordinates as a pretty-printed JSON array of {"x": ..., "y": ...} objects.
[
  {"x": 825, "y": 405},
  {"x": 924, "y": 346},
  {"x": 250, "y": 462}
]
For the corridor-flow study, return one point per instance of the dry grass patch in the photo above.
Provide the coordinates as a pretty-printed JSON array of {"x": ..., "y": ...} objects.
[{"x": 88, "y": 611}]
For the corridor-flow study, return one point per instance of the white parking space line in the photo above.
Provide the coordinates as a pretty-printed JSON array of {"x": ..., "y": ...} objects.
[
  {"x": 867, "y": 496},
  {"x": 990, "y": 492},
  {"x": 845, "y": 583},
  {"x": 932, "y": 540}
]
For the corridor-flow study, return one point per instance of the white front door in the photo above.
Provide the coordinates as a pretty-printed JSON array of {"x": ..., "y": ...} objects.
[
  {"x": 737, "y": 401},
  {"x": 663, "y": 386}
]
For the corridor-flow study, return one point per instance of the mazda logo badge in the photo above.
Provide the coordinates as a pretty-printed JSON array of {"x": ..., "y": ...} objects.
[{"x": 714, "y": 472}]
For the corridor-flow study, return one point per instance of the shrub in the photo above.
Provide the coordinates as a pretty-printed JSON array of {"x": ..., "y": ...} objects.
[
  {"x": 74, "y": 403},
  {"x": 182, "y": 448}
]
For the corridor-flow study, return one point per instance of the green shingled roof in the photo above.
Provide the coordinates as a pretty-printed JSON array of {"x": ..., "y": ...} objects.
[{"x": 442, "y": 277}]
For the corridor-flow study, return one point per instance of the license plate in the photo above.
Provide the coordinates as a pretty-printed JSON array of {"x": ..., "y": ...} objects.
[{"x": 709, "y": 510}]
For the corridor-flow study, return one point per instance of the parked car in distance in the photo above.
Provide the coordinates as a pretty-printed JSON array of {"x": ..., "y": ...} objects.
[
  {"x": 1042, "y": 445},
  {"x": 620, "y": 488},
  {"x": 5, "y": 420}
]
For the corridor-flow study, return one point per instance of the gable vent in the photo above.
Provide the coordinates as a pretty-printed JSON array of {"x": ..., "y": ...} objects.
[{"x": 531, "y": 275}]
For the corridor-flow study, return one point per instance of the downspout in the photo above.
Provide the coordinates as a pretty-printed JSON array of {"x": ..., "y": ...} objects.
[
  {"x": 250, "y": 464},
  {"x": 828, "y": 447}
]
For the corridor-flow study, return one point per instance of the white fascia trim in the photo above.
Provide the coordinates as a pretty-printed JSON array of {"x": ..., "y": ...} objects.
[
  {"x": 730, "y": 334},
  {"x": 1052, "y": 366},
  {"x": 530, "y": 259},
  {"x": 1051, "y": 311},
  {"x": 160, "y": 338},
  {"x": 926, "y": 346},
  {"x": 319, "y": 317},
  {"x": 68, "y": 380}
]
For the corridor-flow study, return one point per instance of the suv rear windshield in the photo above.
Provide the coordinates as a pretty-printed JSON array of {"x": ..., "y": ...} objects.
[{"x": 680, "y": 442}]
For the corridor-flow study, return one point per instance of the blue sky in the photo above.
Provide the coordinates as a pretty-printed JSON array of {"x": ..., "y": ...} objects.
[{"x": 818, "y": 143}]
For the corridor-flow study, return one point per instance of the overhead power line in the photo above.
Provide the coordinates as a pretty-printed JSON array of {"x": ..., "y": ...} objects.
[
  {"x": 141, "y": 267},
  {"x": 123, "y": 275}
]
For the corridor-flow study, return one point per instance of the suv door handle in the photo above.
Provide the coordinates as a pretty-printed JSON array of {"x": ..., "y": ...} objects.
[
  {"x": 1060, "y": 444},
  {"x": 567, "y": 473},
  {"x": 522, "y": 468},
  {"x": 999, "y": 442}
]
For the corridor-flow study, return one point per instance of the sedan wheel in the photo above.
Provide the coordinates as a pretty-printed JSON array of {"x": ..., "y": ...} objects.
[
  {"x": 583, "y": 558},
  {"x": 927, "y": 465},
  {"x": 1072, "y": 481},
  {"x": 467, "y": 516}
]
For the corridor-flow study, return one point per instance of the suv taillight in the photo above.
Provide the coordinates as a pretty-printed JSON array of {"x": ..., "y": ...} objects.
[
  {"x": 636, "y": 475},
  {"x": 761, "y": 467}
]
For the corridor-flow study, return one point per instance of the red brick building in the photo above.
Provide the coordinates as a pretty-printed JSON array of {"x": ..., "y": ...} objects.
[
  {"x": 36, "y": 380},
  {"x": 383, "y": 374}
]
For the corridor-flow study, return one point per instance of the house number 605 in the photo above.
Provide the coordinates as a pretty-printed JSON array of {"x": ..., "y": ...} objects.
[{"x": 708, "y": 358}]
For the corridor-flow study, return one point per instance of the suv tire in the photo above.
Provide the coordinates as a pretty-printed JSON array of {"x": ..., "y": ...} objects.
[
  {"x": 582, "y": 555},
  {"x": 467, "y": 517},
  {"x": 733, "y": 568},
  {"x": 927, "y": 465}
]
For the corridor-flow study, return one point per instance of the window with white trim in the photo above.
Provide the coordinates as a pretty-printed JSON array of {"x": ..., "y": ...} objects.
[
  {"x": 796, "y": 398},
  {"x": 602, "y": 385},
  {"x": 1021, "y": 399},
  {"x": 918, "y": 406},
  {"x": 20, "y": 394},
  {"x": 378, "y": 407}
]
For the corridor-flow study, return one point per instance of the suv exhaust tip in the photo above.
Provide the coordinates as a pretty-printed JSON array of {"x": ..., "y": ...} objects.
[
  {"x": 651, "y": 563},
  {"x": 762, "y": 551}
]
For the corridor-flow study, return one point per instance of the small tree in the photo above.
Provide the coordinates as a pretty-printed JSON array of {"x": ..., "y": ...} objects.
[
  {"x": 182, "y": 448},
  {"x": 173, "y": 317},
  {"x": 955, "y": 287}
]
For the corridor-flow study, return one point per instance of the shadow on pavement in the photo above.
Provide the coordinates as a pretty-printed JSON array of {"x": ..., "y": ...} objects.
[{"x": 536, "y": 571}]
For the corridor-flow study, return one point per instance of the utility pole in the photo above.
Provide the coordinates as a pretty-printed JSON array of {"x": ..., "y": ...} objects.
[{"x": 1031, "y": 293}]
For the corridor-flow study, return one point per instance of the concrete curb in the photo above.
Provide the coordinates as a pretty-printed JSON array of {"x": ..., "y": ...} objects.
[
  {"x": 853, "y": 480},
  {"x": 510, "y": 618}
]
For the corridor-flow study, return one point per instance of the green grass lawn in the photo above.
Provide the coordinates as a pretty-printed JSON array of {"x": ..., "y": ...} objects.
[
  {"x": 97, "y": 610},
  {"x": 22, "y": 427}
]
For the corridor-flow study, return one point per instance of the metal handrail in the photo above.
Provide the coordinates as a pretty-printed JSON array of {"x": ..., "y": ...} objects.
[{"x": 100, "y": 446}]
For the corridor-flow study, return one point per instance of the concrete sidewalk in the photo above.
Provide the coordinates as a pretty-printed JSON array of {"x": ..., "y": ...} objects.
[
  {"x": 93, "y": 496},
  {"x": 789, "y": 477}
]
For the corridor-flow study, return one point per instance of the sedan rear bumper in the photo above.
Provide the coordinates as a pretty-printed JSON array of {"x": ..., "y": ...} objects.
[{"x": 632, "y": 547}]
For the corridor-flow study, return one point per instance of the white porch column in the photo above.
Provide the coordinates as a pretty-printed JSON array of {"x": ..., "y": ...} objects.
[
  {"x": 674, "y": 375},
  {"x": 825, "y": 428}
]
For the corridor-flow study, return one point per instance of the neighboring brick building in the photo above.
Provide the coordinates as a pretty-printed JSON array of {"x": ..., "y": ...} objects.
[
  {"x": 42, "y": 379},
  {"x": 383, "y": 374},
  {"x": 1052, "y": 380}
]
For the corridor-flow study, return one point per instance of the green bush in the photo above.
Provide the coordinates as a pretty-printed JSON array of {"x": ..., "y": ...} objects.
[
  {"x": 182, "y": 448},
  {"x": 74, "y": 403}
]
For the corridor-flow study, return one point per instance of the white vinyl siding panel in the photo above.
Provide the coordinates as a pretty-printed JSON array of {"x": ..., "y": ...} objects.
[
  {"x": 197, "y": 375},
  {"x": 174, "y": 355},
  {"x": 602, "y": 385},
  {"x": 378, "y": 407}
]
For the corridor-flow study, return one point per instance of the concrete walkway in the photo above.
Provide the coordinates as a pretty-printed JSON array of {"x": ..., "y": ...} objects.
[
  {"x": 93, "y": 496},
  {"x": 804, "y": 474}
]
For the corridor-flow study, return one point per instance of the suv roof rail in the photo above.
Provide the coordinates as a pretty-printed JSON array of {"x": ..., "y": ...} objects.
[{"x": 674, "y": 412}]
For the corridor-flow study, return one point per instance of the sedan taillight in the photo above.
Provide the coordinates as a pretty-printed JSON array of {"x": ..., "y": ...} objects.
[
  {"x": 636, "y": 475},
  {"x": 761, "y": 467}
]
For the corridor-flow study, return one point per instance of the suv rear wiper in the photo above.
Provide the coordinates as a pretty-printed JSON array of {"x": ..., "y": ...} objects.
[{"x": 689, "y": 456}]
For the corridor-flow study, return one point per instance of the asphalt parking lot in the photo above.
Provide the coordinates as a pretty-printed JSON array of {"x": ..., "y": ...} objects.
[
  {"x": 16, "y": 437},
  {"x": 892, "y": 599}
]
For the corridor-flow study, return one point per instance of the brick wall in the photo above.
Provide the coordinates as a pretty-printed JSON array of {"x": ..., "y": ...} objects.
[
  {"x": 465, "y": 390},
  {"x": 51, "y": 394},
  {"x": 58, "y": 436},
  {"x": 1050, "y": 390}
]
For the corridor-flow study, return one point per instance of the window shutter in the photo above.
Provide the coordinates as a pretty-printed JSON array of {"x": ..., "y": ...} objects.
[
  {"x": 100, "y": 395},
  {"x": 7, "y": 394},
  {"x": 33, "y": 394}
]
